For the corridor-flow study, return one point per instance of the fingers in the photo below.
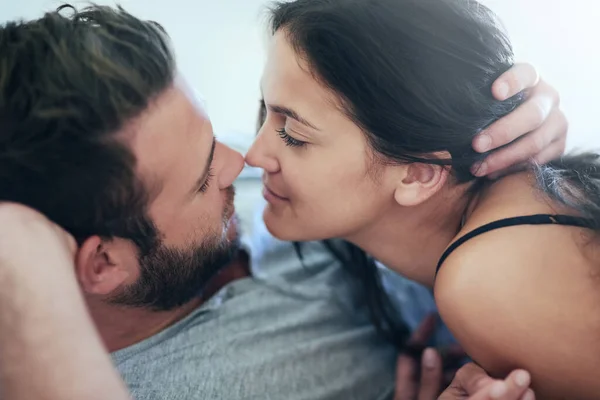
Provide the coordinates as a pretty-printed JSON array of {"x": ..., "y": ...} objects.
[
  {"x": 419, "y": 338},
  {"x": 431, "y": 375},
  {"x": 526, "y": 118},
  {"x": 406, "y": 384},
  {"x": 471, "y": 379},
  {"x": 514, "y": 387},
  {"x": 448, "y": 377},
  {"x": 545, "y": 143},
  {"x": 475, "y": 384},
  {"x": 453, "y": 358},
  {"x": 552, "y": 152},
  {"x": 510, "y": 170},
  {"x": 515, "y": 80},
  {"x": 406, "y": 370},
  {"x": 538, "y": 119},
  {"x": 529, "y": 395}
]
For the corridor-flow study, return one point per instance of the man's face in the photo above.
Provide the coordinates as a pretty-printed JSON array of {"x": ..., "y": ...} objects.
[{"x": 189, "y": 176}]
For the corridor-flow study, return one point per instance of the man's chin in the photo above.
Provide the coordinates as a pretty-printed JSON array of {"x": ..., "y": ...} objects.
[{"x": 172, "y": 277}]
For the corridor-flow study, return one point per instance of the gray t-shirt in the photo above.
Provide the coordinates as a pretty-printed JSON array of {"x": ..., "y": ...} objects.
[{"x": 294, "y": 331}]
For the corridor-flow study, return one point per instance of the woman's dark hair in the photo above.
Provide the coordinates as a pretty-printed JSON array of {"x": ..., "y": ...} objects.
[{"x": 416, "y": 76}]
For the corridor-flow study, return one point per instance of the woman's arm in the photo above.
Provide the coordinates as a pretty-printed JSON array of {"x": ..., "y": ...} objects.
[{"x": 526, "y": 296}]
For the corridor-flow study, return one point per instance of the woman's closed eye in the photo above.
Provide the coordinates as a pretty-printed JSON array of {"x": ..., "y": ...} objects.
[{"x": 289, "y": 140}]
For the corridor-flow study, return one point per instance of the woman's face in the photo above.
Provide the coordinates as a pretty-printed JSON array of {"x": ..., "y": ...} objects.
[{"x": 320, "y": 178}]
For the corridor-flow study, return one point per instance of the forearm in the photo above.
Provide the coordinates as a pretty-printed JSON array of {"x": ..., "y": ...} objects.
[{"x": 49, "y": 348}]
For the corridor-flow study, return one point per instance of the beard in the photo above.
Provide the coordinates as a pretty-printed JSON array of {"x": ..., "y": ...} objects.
[{"x": 171, "y": 277}]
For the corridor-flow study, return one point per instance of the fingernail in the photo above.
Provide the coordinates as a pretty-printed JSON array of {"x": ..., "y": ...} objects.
[
  {"x": 483, "y": 142},
  {"x": 522, "y": 378},
  {"x": 498, "y": 390},
  {"x": 429, "y": 358},
  {"x": 529, "y": 395},
  {"x": 479, "y": 169},
  {"x": 502, "y": 91}
]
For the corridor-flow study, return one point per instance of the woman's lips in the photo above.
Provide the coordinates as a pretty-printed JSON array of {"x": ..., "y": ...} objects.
[{"x": 271, "y": 196}]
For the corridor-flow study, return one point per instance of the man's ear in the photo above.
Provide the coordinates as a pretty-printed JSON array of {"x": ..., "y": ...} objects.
[
  {"x": 419, "y": 182},
  {"x": 102, "y": 266}
]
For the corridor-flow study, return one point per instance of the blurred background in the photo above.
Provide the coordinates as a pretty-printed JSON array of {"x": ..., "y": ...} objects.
[{"x": 221, "y": 44}]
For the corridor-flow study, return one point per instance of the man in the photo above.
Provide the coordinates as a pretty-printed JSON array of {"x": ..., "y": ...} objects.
[
  {"x": 67, "y": 362},
  {"x": 100, "y": 135}
]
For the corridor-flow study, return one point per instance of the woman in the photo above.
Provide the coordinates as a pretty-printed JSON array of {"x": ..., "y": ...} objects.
[{"x": 372, "y": 107}]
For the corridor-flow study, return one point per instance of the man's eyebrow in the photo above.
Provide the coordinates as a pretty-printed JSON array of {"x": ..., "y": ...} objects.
[
  {"x": 288, "y": 112},
  {"x": 209, "y": 161}
]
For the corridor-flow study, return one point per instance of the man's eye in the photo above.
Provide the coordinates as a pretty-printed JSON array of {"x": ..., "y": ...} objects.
[{"x": 206, "y": 183}]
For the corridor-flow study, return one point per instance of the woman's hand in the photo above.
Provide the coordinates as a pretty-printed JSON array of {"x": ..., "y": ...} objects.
[
  {"x": 423, "y": 377},
  {"x": 536, "y": 130},
  {"x": 470, "y": 382}
]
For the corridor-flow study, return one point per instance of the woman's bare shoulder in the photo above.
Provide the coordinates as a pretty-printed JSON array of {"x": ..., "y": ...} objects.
[{"x": 509, "y": 295}]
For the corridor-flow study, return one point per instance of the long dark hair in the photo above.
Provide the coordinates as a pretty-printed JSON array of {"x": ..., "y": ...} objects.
[{"x": 416, "y": 76}]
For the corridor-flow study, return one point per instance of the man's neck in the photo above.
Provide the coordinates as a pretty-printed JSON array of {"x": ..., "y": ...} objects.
[{"x": 121, "y": 327}]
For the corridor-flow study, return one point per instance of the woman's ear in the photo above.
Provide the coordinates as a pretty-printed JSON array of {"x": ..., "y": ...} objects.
[
  {"x": 419, "y": 182},
  {"x": 100, "y": 266}
]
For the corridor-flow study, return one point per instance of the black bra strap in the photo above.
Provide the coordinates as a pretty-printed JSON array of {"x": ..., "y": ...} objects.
[{"x": 539, "y": 219}]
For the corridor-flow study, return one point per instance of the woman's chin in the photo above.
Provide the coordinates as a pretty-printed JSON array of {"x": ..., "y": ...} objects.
[
  {"x": 283, "y": 228},
  {"x": 275, "y": 227},
  {"x": 288, "y": 229}
]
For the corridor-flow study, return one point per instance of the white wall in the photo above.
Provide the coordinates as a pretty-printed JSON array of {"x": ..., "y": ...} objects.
[
  {"x": 219, "y": 45},
  {"x": 220, "y": 48},
  {"x": 562, "y": 39}
]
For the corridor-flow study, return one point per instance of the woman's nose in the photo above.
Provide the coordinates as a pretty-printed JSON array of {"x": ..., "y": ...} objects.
[{"x": 262, "y": 153}]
